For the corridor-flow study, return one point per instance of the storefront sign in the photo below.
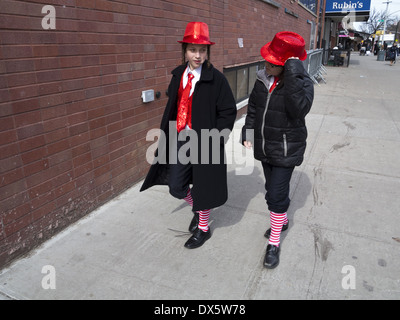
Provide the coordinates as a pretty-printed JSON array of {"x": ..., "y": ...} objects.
[{"x": 336, "y": 6}]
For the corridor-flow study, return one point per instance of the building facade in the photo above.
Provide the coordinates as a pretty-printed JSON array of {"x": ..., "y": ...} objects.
[{"x": 72, "y": 120}]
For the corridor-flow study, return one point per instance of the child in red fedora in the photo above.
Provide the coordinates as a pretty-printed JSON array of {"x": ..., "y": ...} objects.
[
  {"x": 281, "y": 98},
  {"x": 199, "y": 99}
]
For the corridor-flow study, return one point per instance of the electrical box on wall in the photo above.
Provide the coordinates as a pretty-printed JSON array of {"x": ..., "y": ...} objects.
[{"x": 148, "y": 96}]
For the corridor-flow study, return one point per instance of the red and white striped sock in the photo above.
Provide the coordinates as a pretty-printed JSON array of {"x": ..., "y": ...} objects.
[
  {"x": 277, "y": 221},
  {"x": 285, "y": 221},
  {"x": 189, "y": 198},
  {"x": 204, "y": 215}
]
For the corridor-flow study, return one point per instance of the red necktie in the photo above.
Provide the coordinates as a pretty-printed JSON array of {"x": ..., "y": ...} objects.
[
  {"x": 184, "y": 110},
  {"x": 276, "y": 80}
]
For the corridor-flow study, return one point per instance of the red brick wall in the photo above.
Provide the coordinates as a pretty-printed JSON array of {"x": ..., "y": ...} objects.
[{"x": 72, "y": 122}]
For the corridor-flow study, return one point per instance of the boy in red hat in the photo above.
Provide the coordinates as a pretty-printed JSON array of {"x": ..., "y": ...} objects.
[
  {"x": 199, "y": 98},
  {"x": 281, "y": 98}
]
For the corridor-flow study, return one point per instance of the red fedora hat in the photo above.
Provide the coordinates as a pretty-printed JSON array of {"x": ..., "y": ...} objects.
[
  {"x": 197, "y": 33},
  {"x": 284, "y": 45}
]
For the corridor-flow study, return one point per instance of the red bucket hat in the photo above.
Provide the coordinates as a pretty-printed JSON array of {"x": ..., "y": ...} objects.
[
  {"x": 286, "y": 44},
  {"x": 197, "y": 33}
]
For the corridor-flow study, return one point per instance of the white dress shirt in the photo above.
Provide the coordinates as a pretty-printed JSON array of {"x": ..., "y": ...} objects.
[{"x": 196, "y": 73}]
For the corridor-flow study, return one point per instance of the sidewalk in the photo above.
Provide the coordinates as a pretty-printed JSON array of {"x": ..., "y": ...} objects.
[{"x": 344, "y": 236}]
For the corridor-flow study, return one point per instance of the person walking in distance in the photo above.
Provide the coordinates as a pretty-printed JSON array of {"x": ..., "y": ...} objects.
[
  {"x": 199, "y": 98},
  {"x": 392, "y": 53},
  {"x": 275, "y": 127}
]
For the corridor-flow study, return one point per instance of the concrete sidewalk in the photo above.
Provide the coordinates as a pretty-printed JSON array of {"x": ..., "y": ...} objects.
[{"x": 344, "y": 235}]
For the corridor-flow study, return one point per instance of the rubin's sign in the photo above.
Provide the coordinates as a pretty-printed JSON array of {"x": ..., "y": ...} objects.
[{"x": 337, "y": 6}]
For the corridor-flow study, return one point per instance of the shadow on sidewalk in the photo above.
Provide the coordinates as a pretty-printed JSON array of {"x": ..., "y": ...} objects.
[{"x": 242, "y": 189}]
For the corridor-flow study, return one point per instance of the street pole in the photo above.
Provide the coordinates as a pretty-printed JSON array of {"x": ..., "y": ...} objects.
[{"x": 384, "y": 20}]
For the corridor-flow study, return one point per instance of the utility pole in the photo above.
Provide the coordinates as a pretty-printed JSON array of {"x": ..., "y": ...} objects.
[{"x": 384, "y": 21}]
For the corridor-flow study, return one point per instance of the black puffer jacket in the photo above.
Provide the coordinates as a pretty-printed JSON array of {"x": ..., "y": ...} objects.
[{"x": 278, "y": 118}]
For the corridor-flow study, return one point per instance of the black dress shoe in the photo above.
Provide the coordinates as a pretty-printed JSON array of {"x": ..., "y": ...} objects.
[
  {"x": 268, "y": 232},
  {"x": 271, "y": 259},
  {"x": 194, "y": 223},
  {"x": 198, "y": 238}
]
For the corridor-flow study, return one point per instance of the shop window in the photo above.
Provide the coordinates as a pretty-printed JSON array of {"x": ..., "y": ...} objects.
[{"x": 241, "y": 79}]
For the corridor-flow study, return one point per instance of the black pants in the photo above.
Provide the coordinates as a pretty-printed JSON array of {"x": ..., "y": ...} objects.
[
  {"x": 277, "y": 185},
  {"x": 180, "y": 175}
]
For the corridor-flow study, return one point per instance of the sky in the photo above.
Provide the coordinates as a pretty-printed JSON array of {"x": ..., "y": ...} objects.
[
  {"x": 393, "y": 6},
  {"x": 380, "y": 5}
]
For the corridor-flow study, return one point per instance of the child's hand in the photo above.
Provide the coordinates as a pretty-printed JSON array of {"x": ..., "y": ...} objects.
[
  {"x": 291, "y": 58},
  {"x": 248, "y": 144}
]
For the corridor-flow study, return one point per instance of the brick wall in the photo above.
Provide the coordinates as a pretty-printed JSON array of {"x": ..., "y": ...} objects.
[{"x": 72, "y": 122}]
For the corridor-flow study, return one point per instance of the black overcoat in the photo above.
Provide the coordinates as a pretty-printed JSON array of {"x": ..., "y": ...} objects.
[{"x": 213, "y": 107}]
